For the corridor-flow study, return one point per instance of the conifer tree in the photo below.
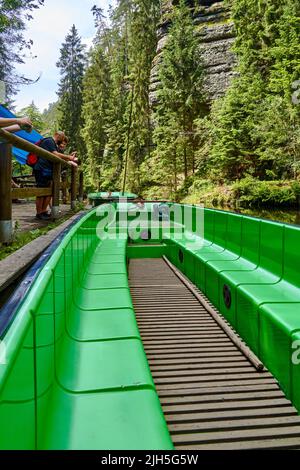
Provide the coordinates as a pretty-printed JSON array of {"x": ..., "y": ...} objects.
[
  {"x": 72, "y": 64},
  {"x": 116, "y": 126},
  {"x": 95, "y": 102},
  {"x": 33, "y": 112},
  {"x": 142, "y": 48},
  {"x": 13, "y": 17},
  {"x": 180, "y": 98},
  {"x": 50, "y": 118},
  {"x": 256, "y": 127}
]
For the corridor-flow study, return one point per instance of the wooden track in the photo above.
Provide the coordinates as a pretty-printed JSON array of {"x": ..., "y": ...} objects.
[{"x": 211, "y": 395}]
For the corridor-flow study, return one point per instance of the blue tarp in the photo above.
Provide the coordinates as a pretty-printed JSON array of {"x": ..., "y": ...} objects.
[{"x": 33, "y": 137}]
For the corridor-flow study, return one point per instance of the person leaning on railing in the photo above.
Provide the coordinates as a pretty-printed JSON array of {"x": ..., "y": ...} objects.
[{"x": 43, "y": 170}]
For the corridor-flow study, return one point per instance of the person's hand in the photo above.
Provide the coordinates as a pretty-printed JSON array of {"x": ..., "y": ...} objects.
[
  {"x": 73, "y": 158},
  {"x": 25, "y": 124},
  {"x": 73, "y": 164}
]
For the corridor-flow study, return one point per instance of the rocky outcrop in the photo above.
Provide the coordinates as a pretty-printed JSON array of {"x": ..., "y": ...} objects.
[{"x": 215, "y": 30}]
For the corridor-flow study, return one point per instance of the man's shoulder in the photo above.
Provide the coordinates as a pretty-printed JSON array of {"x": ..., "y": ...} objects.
[
  {"x": 47, "y": 140},
  {"x": 48, "y": 143}
]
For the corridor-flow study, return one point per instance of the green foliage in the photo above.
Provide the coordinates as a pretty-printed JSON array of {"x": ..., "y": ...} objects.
[
  {"x": 142, "y": 46},
  {"x": 95, "y": 102},
  {"x": 13, "y": 46},
  {"x": 187, "y": 148},
  {"x": 117, "y": 128},
  {"x": 72, "y": 65},
  {"x": 34, "y": 114},
  {"x": 180, "y": 99},
  {"x": 250, "y": 191},
  {"x": 255, "y": 128},
  {"x": 51, "y": 118}
]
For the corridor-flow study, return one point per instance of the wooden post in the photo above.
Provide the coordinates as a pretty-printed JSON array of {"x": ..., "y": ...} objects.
[
  {"x": 6, "y": 228},
  {"x": 56, "y": 190},
  {"x": 73, "y": 188},
  {"x": 81, "y": 186},
  {"x": 64, "y": 187}
]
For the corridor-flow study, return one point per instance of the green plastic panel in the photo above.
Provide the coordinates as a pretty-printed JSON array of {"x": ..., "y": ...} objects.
[
  {"x": 258, "y": 261},
  {"x": 76, "y": 375}
]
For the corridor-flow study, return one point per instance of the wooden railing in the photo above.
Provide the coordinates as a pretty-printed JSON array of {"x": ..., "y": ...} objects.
[{"x": 7, "y": 193}]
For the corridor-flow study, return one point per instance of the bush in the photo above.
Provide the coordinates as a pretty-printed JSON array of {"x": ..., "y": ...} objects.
[{"x": 253, "y": 192}]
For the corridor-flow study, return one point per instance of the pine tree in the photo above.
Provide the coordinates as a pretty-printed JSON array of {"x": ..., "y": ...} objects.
[
  {"x": 142, "y": 48},
  {"x": 117, "y": 125},
  {"x": 72, "y": 64},
  {"x": 256, "y": 127},
  {"x": 95, "y": 100},
  {"x": 13, "y": 17},
  {"x": 180, "y": 98},
  {"x": 51, "y": 117},
  {"x": 33, "y": 112}
]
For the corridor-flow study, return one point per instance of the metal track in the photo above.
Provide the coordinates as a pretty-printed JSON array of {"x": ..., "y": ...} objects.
[{"x": 212, "y": 396}]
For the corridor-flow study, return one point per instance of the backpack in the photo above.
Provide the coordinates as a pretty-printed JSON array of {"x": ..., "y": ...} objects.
[{"x": 32, "y": 158}]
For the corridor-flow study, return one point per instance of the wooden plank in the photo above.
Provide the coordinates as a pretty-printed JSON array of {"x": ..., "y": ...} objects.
[
  {"x": 200, "y": 391},
  {"x": 211, "y": 415},
  {"x": 227, "y": 362},
  {"x": 270, "y": 444},
  {"x": 255, "y": 404},
  {"x": 223, "y": 397},
  {"x": 202, "y": 372},
  {"x": 246, "y": 422},
  {"x": 210, "y": 354},
  {"x": 206, "y": 378},
  {"x": 183, "y": 387},
  {"x": 158, "y": 367},
  {"x": 239, "y": 435},
  {"x": 24, "y": 193}
]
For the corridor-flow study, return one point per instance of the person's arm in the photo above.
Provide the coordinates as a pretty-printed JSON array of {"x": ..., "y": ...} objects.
[
  {"x": 8, "y": 122},
  {"x": 14, "y": 128},
  {"x": 67, "y": 158}
]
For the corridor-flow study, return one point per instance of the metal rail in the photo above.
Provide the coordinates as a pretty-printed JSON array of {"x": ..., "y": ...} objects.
[{"x": 213, "y": 398}]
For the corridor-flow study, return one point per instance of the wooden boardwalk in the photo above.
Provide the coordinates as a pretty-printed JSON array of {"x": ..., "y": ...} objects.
[
  {"x": 213, "y": 398},
  {"x": 24, "y": 216}
]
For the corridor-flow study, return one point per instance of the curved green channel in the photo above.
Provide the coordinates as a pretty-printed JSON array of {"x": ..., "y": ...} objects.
[{"x": 76, "y": 375}]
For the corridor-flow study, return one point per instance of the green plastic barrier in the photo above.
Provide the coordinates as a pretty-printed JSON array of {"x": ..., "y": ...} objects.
[
  {"x": 249, "y": 269},
  {"x": 76, "y": 375}
]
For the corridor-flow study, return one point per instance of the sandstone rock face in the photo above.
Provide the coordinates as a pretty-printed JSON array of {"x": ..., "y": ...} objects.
[{"x": 216, "y": 37}]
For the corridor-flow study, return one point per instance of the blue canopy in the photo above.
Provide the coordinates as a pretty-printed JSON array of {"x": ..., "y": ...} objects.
[{"x": 33, "y": 137}]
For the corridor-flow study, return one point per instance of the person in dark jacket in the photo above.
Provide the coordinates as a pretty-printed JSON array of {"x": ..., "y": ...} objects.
[{"x": 43, "y": 171}]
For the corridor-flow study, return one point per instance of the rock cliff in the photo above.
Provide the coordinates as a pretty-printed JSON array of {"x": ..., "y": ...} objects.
[{"x": 215, "y": 30}]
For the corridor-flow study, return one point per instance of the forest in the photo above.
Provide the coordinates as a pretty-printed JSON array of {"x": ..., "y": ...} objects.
[{"x": 138, "y": 109}]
